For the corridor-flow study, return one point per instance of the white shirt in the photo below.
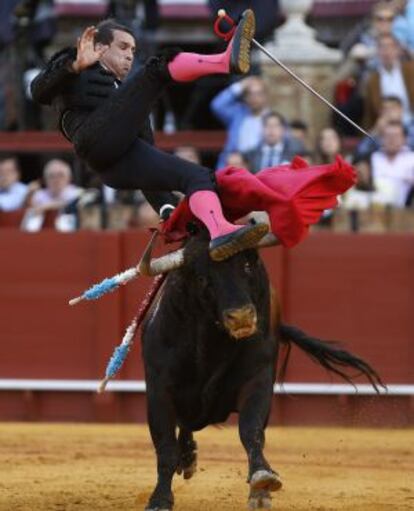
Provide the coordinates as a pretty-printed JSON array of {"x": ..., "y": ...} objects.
[
  {"x": 357, "y": 199},
  {"x": 393, "y": 178},
  {"x": 42, "y": 197},
  {"x": 13, "y": 197},
  {"x": 392, "y": 84}
]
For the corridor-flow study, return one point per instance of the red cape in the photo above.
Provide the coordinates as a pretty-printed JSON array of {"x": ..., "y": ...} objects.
[{"x": 294, "y": 196}]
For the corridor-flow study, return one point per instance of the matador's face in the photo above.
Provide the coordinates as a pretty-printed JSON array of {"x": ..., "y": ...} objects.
[{"x": 119, "y": 57}]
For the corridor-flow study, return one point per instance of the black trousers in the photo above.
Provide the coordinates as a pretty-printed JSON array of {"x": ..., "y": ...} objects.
[{"x": 108, "y": 140}]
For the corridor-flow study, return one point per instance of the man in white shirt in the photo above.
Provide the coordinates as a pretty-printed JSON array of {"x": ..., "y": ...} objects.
[
  {"x": 59, "y": 191},
  {"x": 12, "y": 192},
  {"x": 393, "y": 168}
]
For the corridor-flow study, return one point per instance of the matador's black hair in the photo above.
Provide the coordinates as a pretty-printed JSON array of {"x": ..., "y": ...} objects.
[{"x": 105, "y": 31}]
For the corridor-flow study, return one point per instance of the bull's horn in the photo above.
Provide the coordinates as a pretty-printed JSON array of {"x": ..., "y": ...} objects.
[
  {"x": 270, "y": 240},
  {"x": 152, "y": 267}
]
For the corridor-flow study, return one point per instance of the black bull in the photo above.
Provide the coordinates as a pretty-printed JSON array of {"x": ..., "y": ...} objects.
[{"x": 210, "y": 347}]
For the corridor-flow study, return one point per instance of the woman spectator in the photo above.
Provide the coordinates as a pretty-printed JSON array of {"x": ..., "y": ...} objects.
[
  {"x": 359, "y": 197},
  {"x": 328, "y": 146}
]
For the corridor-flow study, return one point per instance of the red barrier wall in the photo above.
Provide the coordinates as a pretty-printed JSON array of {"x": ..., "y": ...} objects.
[
  {"x": 355, "y": 288},
  {"x": 358, "y": 289}
]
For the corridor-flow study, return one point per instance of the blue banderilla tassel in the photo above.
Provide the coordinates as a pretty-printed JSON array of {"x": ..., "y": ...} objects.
[
  {"x": 98, "y": 290},
  {"x": 106, "y": 286},
  {"x": 117, "y": 359},
  {"x": 119, "y": 355}
]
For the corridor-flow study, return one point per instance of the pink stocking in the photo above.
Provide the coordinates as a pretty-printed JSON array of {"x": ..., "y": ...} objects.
[
  {"x": 187, "y": 67},
  {"x": 205, "y": 205}
]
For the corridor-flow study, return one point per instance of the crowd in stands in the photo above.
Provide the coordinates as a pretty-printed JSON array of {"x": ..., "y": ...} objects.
[{"x": 374, "y": 86}]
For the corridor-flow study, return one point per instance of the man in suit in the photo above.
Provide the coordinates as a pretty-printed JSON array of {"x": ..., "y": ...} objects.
[
  {"x": 392, "y": 78},
  {"x": 276, "y": 148}
]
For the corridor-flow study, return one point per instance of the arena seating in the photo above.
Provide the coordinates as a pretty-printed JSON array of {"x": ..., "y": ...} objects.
[{"x": 199, "y": 8}]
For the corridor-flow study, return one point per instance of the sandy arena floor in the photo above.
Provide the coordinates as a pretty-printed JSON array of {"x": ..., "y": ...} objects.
[{"x": 99, "y": 468}]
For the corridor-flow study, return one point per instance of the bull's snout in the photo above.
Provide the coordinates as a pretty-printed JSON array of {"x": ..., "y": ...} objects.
[{"x": 241, "y": 322}]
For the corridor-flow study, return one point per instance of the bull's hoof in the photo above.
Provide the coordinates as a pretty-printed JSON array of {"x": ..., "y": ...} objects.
[
  {"x": 160, "y": 503},
  {"x": 161, "y": 507},
  {"x": 265, "y": 480},
  {"x": 189, "y": 471},
  {"x": 188, "y": 463},
  {"x": 260, "y": 499}
]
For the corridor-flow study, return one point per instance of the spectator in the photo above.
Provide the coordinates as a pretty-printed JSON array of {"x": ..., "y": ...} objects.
[
  {"x": 365, "y": 35},
  {"x": 59, "y": 191},
  {"x": 125, "y": 11},
  {"x": 276, "y": 148},
  {"x": 403, "y": 26},
  {"x": 12, "y": 192},
  {"x": 6, "y": 22},
  {"x": 241, "y": 107},
  {"x": 350, "y": 78},
  {"x": 359, "y": 197},
  {"x": 189, "y": 153},
  {"x": 393, "y": 78},
  {"x": 393, "y": 168},
  {"x": 328, "y": 146},
  {"x": 364, "y": 175},
  {"x": 236, "y": 159},
  {"x": 360, "y": 48},
  {"x": 299, "y": 130},
  {"x": 391, "y": 110}
]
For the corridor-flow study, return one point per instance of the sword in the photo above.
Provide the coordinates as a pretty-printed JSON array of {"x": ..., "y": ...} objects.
[{"x": 222, "y": 15}]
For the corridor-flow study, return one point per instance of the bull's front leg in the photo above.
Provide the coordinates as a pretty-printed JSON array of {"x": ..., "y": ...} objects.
[
  {"x": 162, "y": 424},
  {"x": 254, "y": 408}
]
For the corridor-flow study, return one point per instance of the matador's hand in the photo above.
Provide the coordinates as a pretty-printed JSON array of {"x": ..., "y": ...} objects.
[{"x": 87, "y": 53}]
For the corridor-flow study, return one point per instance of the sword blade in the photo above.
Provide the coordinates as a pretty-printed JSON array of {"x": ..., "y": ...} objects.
[{"x": 310, "y": 89}]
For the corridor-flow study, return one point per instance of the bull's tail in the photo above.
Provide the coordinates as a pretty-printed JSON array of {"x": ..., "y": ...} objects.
[{"x": 328, "y": 355}]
